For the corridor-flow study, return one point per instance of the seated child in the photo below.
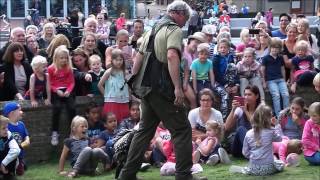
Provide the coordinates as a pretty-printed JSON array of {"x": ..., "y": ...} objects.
[
  {"x": 201, "y": 70},
  {"x": 134, "y": 116},
  {"x": 311, "y": 135},
  {"x": 249, "y": 72},
  {"x": 9, "y": 150},
  {"x": 226, "y": 76},
  {"x": 302, "y": 72},
  {"x": 257, "y": 145},
  {"x": 13, "y": 111},
  {"x": 96, "y": 71},
  {"x": 105, "y": 140},
  {"x": 169, "y": 168},
  {"x": 95, "y": 125},
  {"x": 39, "y": 84},
  {"x": 287, "y": 147},
  {"x": 209, "y": 150},
  {"x": 84, "y": 159}
]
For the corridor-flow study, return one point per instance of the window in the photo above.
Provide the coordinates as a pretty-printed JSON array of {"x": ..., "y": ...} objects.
[
  {"x": 75, "y": 5},
  {"x": 94, "y": 7},
  {"x": 17, "y": 8},
  {"x": 39, "y": 5},
  {"x": 3, "y": 5},
  {"x": 56, "y": 8},
  {"x": 117, "y": 7}
]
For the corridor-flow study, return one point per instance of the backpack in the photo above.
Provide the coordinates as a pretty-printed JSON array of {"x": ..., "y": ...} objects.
[
  {"x": 154, "y": 74},
  {"x": 121, "y": 145}
]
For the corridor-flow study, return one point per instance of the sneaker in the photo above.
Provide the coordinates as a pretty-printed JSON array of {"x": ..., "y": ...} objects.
[
  {"x": 196, "y": 156},
  {"x": 224, "y": 158},
  {"x": 144, "y": 166},
  {"x": 54, "y": 138},
  {"x": 213, "y": 160}
]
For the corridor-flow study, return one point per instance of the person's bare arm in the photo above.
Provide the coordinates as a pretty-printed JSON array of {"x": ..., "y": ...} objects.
[
  {"x": 174, "y": 71},
  {"x": 137, "y": 63}
]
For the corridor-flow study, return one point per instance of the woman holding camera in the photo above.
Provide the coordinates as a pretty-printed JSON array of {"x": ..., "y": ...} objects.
[{"x": 239, "y": 118}]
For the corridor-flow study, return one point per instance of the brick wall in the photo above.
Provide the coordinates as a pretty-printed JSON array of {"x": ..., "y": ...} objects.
[{"x": 38, "y": 123}]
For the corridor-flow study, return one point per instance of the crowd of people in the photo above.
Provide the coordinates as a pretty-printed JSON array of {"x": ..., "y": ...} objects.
[{"x": 174, "y": 83}]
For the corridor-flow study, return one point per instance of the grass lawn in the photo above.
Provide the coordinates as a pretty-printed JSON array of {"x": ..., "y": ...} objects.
[{"x": 48, "y": 171}]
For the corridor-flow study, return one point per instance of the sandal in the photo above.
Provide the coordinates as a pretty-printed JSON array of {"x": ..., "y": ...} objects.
[{"x": 72, "y": 174}]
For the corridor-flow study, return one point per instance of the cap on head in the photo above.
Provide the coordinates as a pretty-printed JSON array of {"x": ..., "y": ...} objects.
[
  {"x": 209, "y": 29},
  {"x": 9, "y": 107},
  {"x": 198, "y": 36}
]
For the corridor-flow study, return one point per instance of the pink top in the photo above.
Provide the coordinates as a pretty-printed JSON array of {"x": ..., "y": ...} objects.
[
  {"x": 242, "y": 46},
  {"x": 310, "y": 138},
  {"x": 189, "y": 57},
  {"x": 204, "y": 143},
  {"x": 168, "y": 150},
  {"x": 280, "y": 148},
  {"x": 61, "y": 78},
  {"x": 120, "y": 22}
]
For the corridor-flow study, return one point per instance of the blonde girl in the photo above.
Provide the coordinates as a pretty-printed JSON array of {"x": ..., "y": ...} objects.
[
  {"x": 84, "y": 159},
  {"x": 311, "y": 135},
  {"x": 114, "y": 87},
  {"x": 208, "y": 150},
  {"x": 257, "y": 144},
  {"x": 39, "y": 82},
  {"x": 62, "y": 84},
  {"x": 249, "y": 72},
  {"x": 246, "y": 42}
]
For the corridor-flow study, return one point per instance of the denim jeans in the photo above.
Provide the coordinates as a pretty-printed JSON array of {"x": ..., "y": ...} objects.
[
  {"x": 278, "y": 87},
  {"x": 314, "y": 159},
  {"x": 237, "y": 144}
]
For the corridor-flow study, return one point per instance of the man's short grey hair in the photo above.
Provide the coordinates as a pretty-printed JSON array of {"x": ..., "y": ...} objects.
[
  {"x": 17, "y": 29},
  {"x": 179, "y": 5}
]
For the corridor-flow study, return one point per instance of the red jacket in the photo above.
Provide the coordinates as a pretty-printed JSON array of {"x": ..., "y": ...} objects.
[
  {"x": 168, "y": 150},
  {"x": 61, "y": 78}
]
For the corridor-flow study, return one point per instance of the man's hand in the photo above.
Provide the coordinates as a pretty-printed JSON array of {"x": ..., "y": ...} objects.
[{"x": 179, "y": 97}]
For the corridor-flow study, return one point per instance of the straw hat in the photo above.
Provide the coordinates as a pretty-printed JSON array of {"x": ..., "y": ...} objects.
[{"x": 198, "y": 36}]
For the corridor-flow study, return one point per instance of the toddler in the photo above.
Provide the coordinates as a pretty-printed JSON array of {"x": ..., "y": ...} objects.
[
  {"x": 96, "y": 72},
  {"x": 19, "y": 132},
  {"x": 39, "y": 82},
  {"x": 209, "y": 150},
  {"x": 302, "y": 72},
  {"x": 288, "y": 150},
  {"x": 9, "y": 150}
]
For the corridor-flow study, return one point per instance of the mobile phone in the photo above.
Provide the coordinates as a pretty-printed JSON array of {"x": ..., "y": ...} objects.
[
  {"x": 239, "y": 99},
  {"x": 254, "y": 31}
]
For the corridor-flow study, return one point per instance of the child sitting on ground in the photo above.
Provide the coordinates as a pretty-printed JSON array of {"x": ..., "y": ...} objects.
[
  {"x": 134, "y": 116},
  {"x": 169, "y": 168},
  {"x": 95, "y": 125},
  {"x": 39, "y": 82},
  {"x": 209, "y": 150},
  {"x": 257, "y": 145},
  {"x": 9, "y": 150},
  {"x": 13, "y": 111},
  {"x": 105, "y": 140},
  {"x": 311, "y": 135},
  {"x": 84, "y": 159},
  {"x": 288, "y": 151}
]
